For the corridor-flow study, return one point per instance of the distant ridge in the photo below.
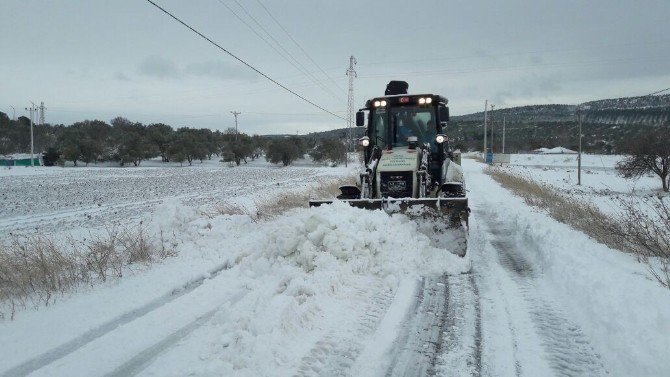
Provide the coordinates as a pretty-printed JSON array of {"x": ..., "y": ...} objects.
[
  {"x": 645, "y": 110},
  {"x": 605, "y": 123}
]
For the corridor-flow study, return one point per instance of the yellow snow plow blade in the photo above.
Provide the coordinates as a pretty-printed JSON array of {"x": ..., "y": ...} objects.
[{"x": 455, "y": 209}]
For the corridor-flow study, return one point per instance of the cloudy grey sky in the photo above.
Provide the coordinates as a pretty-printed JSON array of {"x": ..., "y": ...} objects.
[{"x": 100, "y": 59}]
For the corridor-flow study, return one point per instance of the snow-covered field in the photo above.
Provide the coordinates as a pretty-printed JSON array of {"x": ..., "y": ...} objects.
[
  {"x": 600, "y": 183},
  {"x": 341, "y": 291},
  {"x": 53, "y": 199}
]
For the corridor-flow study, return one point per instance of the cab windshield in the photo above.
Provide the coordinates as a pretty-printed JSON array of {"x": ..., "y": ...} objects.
[
  {"x": 408, "y": 121},
  {"x": 413, "y": 121}
]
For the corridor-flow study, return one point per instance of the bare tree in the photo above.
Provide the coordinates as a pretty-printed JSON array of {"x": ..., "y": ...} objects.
[
  {"x": 644, "y": 228},
  {"x": 648, "y": 152}
]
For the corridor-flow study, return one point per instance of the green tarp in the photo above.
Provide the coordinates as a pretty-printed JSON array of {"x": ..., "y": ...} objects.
[{"x": 18, "y": 162}]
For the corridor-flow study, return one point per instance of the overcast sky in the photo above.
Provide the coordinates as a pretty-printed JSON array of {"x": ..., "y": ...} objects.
[{"x": 101, "y": 59}]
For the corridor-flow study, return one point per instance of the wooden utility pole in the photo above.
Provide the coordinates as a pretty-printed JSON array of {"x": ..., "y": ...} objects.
[
  {"x": 492, "y": 107},
  {"x": 503, "y": 151},
  {"x": 579, "y": 154},
  {"x": 486, "y": 107}
]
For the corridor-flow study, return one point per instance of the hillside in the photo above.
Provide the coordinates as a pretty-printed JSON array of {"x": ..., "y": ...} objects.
[{"x": 605, "y": 123}]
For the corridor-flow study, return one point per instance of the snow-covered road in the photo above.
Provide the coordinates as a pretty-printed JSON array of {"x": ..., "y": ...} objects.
[{"x": 337, "y": 291}]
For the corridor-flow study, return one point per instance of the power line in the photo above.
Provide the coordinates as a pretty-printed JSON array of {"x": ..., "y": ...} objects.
[
  {"x": 660, "y": 91},
  {"x": 298, "y": 44},
  {"x": 502, "y": 54},
  {"x": 243, "y": 62},
  {"x": 285, "y": 54},
  {"x": 513, "y": 68},
  {"x": 287, "y": 114},
  {"x": 305, "y": 70}
]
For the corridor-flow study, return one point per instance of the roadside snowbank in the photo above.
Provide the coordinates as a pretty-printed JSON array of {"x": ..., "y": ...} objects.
[
  {"x": 624, "y": 312},
  {"x": 291, "y": 284}
]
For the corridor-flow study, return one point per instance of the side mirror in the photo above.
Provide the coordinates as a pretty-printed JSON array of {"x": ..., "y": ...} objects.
[
  {"x": 444, "y": 114},
  {"x": 360, "y": 119}
]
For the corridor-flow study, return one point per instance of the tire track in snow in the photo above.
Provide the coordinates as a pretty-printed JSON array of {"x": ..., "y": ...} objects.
[
  {"x": 421, "y": 331},
  {"x": 144, "y": 358},
  {"x": 459, "y": 351},
  {"x": 73, "y": 345},
  {"x": 442, "y": 334},
  {"x": 336, "y": 352},
  {"x": 506, "y": 343},
  {"x": 566, "y": 347}
]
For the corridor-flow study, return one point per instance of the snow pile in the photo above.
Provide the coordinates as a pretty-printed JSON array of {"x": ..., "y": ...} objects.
[
  {"x": 360, "y": 241},
  {"x": 593, "y": 161},
  {"x": 555, "y": 150},
  {"x": 308, "y": 278},
  {"x": 242, "y": 297}
]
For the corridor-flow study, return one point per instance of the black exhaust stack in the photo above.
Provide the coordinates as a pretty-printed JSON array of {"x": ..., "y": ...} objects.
[{"x": 396, "y": 87}]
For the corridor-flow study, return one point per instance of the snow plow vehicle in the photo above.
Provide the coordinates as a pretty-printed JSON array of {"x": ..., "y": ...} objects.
[{"x": 410, "y": 165}]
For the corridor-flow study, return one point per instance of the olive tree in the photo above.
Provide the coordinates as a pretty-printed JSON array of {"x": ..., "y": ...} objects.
[{"x": 648, "y": 152}]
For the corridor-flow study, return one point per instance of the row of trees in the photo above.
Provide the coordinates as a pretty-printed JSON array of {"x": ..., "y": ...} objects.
[
  {"x": 128, "y": 142},
  {"x": 285, "y": 150}
]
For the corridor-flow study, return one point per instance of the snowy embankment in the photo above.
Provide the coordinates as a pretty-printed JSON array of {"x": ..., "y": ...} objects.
[{"x": 623, "y": 311}]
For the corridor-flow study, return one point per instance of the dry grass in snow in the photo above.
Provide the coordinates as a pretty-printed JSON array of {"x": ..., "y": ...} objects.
[{"x": 639, "y": 227}]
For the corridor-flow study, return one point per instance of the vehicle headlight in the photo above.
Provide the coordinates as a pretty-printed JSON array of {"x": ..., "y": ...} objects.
[
  {"x": 440, "y": 139},
  {"x": 429, "y": 100},
  {"x": 422, "y": 101},
  {"x": 383, "y": 103},
  {"x": 364, "y": 141},
  {"x": 377, "y": 103}
]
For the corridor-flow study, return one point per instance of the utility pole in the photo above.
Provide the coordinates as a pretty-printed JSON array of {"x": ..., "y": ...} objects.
[
  {"x": 236, "y": 113},
  {"x": 350, "y": 102},
  {"x": 492, "y": 107},
  {"x": 13, "y": 113},
  {"x": 32, "y": 109},
  {"x": 503, "y": 151},
  {"x": 42, "y": 108},
  {"x": 579, "y": 155},
  {"x": 486, "y": 107}
]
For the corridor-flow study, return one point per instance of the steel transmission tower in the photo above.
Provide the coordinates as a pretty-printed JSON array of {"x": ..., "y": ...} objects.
[
  {"x": 351, "y": 72},
  {"x": 235, "y": 114},
  {"x": 42, "y": 108}
]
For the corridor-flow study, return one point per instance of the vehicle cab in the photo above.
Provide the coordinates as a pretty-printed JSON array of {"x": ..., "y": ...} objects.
[{"x": 394, "y": 119}]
